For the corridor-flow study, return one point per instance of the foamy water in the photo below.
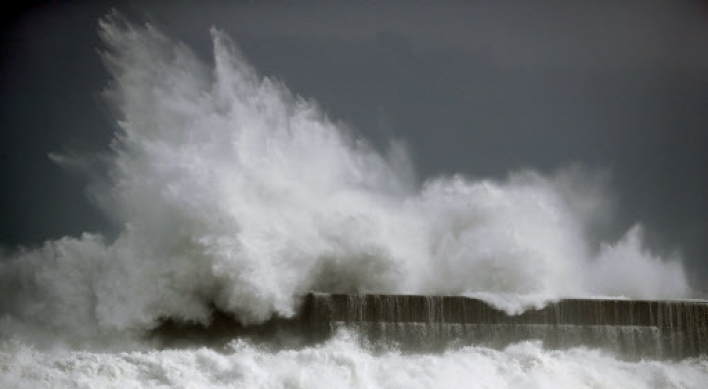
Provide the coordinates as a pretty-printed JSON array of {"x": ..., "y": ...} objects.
[
  {"x": 341, "y": 363},
  {"x": 230, "y": 191}
]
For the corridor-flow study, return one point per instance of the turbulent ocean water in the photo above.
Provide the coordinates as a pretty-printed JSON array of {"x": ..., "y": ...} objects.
[
  {"x": 340, "y": 363},
  {"x": 232, "y": 193}
]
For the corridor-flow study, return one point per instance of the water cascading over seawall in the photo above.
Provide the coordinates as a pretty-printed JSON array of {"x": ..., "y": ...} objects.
[{"x": 673, "y": 329}]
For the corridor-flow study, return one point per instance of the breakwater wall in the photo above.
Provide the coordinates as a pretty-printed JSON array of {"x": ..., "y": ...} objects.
[
  {"x": 673, "y": 329},
  {"x": 632, "y": 328}
]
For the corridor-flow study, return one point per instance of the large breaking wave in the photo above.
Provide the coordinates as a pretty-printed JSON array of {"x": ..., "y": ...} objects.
[{"x": 231, "y": 192}]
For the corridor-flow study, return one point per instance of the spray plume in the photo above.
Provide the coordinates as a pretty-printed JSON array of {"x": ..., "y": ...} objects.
[{"x": 232, "y": 192}]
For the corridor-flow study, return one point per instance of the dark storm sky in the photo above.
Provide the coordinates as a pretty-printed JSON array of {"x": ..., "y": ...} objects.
[{"x": 479, "y": 88}]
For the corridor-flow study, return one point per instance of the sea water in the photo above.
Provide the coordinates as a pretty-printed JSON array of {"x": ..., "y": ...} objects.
[{"x": 230, "y": 192}]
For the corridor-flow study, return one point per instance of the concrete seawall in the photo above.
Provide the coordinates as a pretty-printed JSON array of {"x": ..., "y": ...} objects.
[
  {"x": 634, "y": 329},
  {"x": 674, "y": 329}
]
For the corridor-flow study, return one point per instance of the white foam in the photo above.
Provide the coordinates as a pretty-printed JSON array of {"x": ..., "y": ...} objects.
[
  {"x": 231, "y": 191},
  {"x": 340, "y": 363}
]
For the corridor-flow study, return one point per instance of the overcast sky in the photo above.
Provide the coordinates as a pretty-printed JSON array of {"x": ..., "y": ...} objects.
[{"x": 479, "y": 88}]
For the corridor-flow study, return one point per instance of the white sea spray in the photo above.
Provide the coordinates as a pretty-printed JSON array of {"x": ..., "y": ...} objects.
[{"x": 230, "y": 191}]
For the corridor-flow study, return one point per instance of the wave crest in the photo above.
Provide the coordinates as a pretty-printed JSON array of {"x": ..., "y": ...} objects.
[{"x": 231, "y": 191}]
